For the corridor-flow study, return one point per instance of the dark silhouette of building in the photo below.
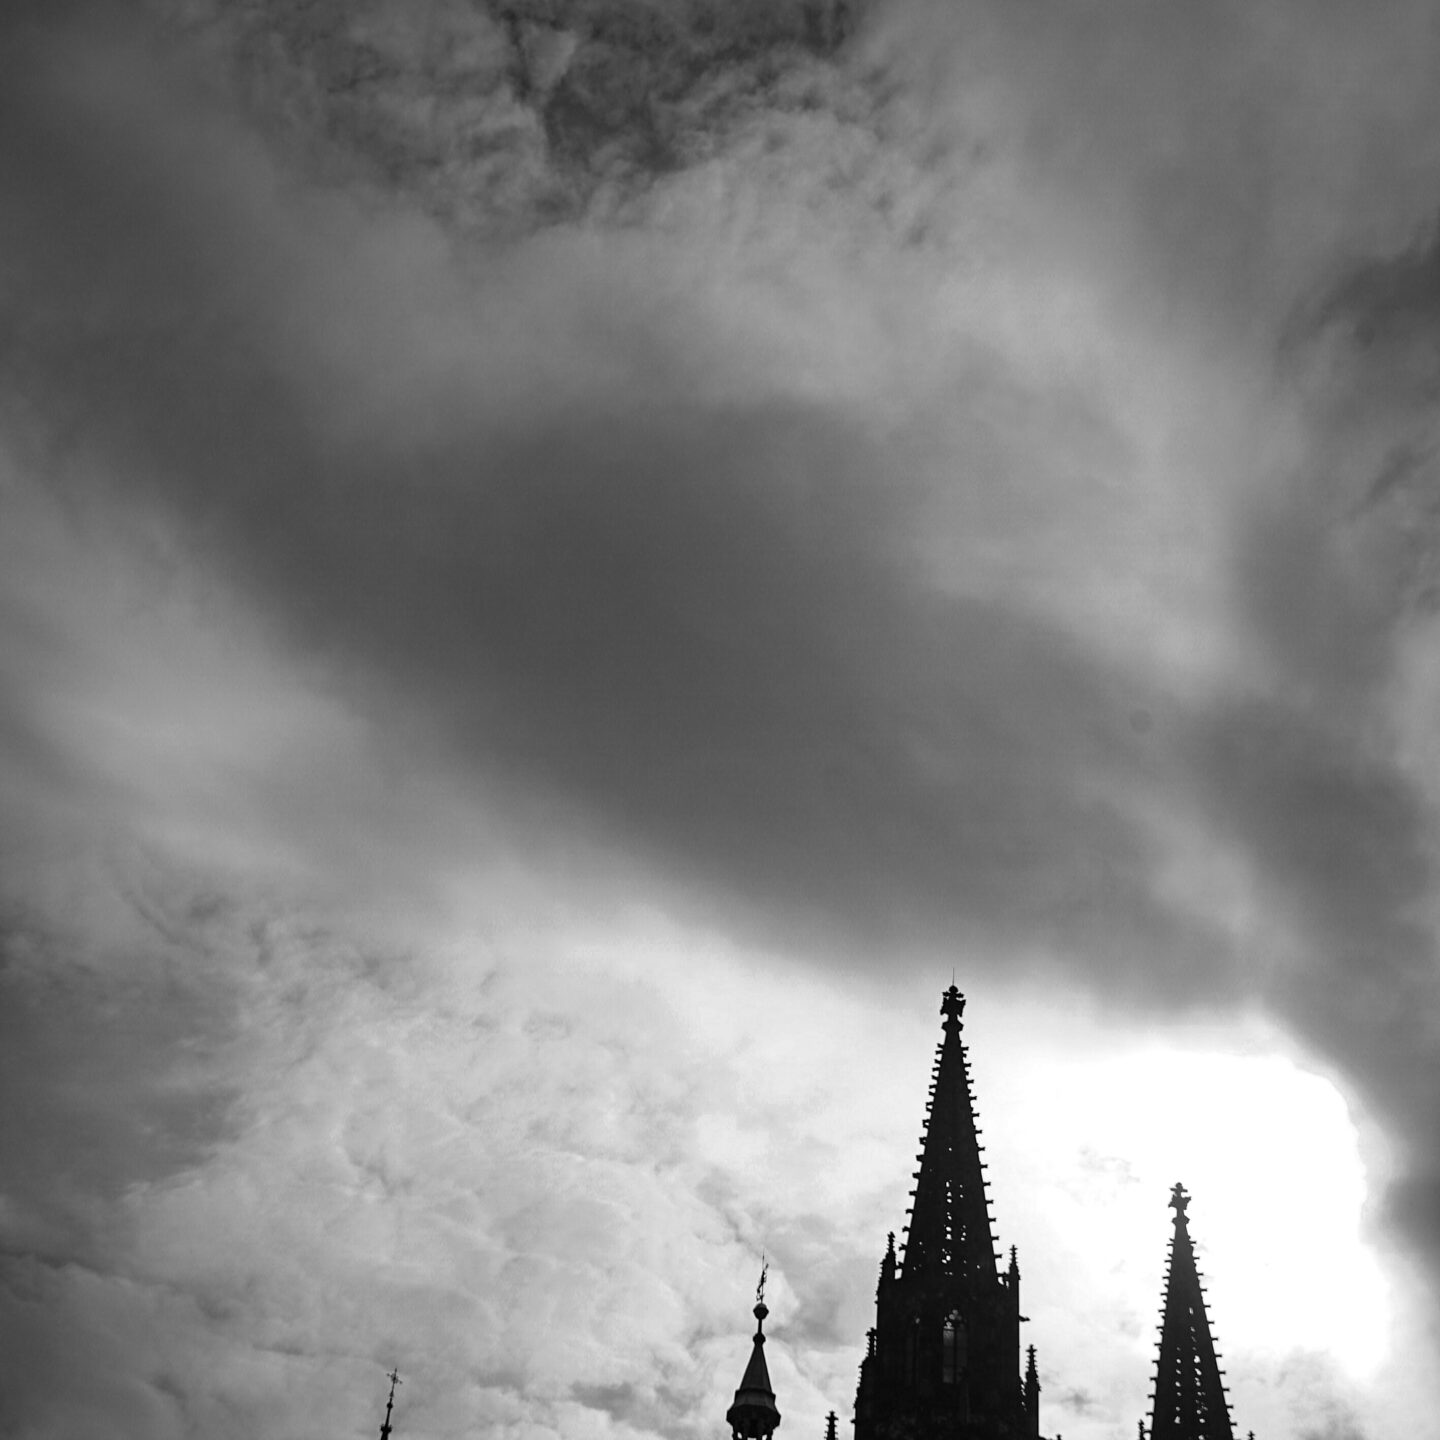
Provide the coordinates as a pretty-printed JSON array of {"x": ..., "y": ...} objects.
[
  {"x": 1189, "y": 1399},
  {"x": 943, "y": 1360},
  {"x": 944, "y": 1356}
]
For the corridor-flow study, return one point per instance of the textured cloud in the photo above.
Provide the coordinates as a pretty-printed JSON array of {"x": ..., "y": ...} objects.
[
  {"x": 1363, "y": 570},
  {"x": 701, "y": 617},
  {"x": 947, "y": 479}
]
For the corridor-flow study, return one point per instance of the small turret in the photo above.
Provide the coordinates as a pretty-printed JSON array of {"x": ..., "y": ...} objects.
[
  {"x": 753, "y": 1414},
  {"x": 830, "y": 1421},
  {"x": 1032, "y": 1394}
]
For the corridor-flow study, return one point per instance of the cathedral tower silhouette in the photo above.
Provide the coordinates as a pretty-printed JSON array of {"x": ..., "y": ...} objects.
[{"x": 944, "y": 1357}]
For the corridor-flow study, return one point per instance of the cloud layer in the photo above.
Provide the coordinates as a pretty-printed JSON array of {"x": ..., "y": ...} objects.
[{"x": 947, "y": 480}]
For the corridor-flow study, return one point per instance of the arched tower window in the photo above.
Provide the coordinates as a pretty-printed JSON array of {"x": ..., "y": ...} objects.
[{"x": 952, "y": 1349}]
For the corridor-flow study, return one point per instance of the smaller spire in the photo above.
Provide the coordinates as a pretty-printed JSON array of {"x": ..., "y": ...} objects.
[
  {"x": 753, "y": 1414},
  {"x": 1032, "y": 1393},
  {"x": 830, "y": 1426},
  {"x": 390, "y": 1404}
]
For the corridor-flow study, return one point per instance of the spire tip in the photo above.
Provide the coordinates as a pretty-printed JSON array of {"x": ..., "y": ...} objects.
[
  {"x": 952, "y": 1005},
  {"x": 394, "y": 1378}
]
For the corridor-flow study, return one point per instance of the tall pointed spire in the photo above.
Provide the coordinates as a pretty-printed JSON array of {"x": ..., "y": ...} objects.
[
  {"x": 950, "y": 1232},
  {"x": 1190, "y": 1401},
  {"x": 943, "y": 1362},
  {"x": 753, "y": 1414}
]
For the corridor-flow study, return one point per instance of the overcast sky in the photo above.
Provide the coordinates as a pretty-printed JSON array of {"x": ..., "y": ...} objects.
[{"x": 563, "y": 562}]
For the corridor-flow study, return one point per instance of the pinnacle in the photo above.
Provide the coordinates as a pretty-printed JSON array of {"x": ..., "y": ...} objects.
[{"x": 951, "y": 1231}]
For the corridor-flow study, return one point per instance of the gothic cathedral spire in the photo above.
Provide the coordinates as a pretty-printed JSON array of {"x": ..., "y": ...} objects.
[
  {"x": 944, "y": 1357},
  {"x": 1190, "y": 1401},
  {"x": 949, "y": 1232}
]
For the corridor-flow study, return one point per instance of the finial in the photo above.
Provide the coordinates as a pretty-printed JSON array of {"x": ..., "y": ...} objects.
[
  {"x": 952, "y": 1006},
  {"x": 1178, "y": 1200},
  {"x": 390, "y": 1404},
  {"x": 761, "y": 1309}
]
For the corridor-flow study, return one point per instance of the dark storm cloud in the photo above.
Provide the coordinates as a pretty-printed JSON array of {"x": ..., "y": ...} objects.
[
  {"x": 492, "y": 114},
  {"x": 1341, "y": 803},
  {"x": 1342, "y": 842},
  {"x": 704, "y": 623}
]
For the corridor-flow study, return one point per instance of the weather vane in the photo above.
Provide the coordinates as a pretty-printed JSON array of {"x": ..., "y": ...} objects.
[{"x": 764, "y": 1271}]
